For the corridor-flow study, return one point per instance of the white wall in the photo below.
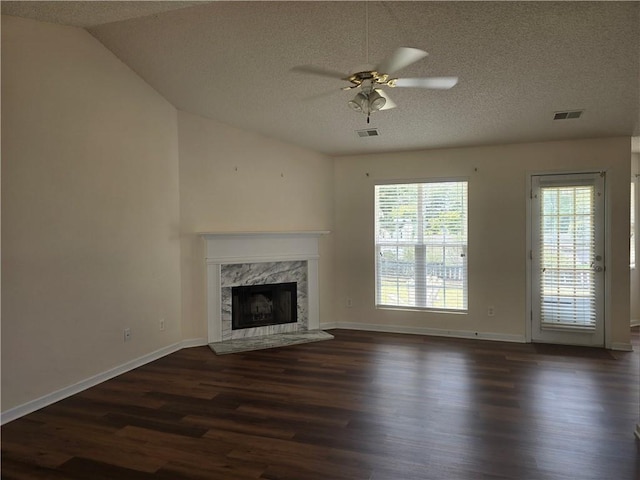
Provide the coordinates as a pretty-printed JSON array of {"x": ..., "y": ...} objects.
[
  {"x": 90, "y": 211},
  {"x": 635, "y": 273},
  {"x": 497, "y": 231},
  {"x": 235, "y": 181}
]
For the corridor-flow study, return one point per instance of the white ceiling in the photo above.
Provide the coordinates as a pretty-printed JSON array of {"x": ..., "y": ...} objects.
[{"x": 518, "y": 63}]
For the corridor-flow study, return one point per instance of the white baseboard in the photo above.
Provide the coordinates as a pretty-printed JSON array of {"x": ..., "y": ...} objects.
[
  {"x": 329, "y": 326},
  {"x": 635, "y": 322},
  {"x": 500, "y": 337},
  {"x": 194, "y": 342},
  {"x": 437, "y": 332},
  {"x": 29, "y": 407},
  {"x": 623, "y": 347}
]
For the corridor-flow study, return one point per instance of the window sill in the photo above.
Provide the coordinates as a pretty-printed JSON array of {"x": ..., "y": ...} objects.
[{"x": 421, "y": 309}]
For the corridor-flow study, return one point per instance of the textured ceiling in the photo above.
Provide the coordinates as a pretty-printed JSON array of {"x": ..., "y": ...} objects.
[
  {"x": 89, "y": 13},
  {"x": 518, "y": 63}
]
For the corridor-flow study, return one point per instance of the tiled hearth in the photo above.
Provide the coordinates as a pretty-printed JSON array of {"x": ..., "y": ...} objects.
[{"x": 239, "y": 259}]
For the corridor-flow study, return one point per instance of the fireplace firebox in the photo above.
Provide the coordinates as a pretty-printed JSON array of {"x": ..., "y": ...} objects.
[{"x": 261, "y": 305}]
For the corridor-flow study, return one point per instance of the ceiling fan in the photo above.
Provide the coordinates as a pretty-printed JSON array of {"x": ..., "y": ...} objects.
[{"x": 371, "y": 97}]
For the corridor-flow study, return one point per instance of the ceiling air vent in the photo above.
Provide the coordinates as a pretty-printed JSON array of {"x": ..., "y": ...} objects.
[
  {"x": 567, "y": 115},
  {"x": 369, "y": 132}
]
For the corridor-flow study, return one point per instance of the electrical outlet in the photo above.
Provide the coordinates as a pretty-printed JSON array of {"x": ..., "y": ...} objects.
[
  {"x": 491, "y": 311},
  {"x": 162, "y": 325},
  {"x": 127, "y": 334},
  {"x": 349, "y": 302}
]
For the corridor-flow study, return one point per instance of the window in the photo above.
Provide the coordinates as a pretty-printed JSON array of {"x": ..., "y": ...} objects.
[
  {"x": 566, "y": 253},
  {"x": 421, "y": 245},
  {"x": 632, "y": 236}
]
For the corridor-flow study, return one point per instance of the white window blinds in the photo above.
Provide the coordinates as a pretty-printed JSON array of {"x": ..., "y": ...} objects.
[
  {"x": 567, "y": 237},
  {"x": 421, "y": 245}
]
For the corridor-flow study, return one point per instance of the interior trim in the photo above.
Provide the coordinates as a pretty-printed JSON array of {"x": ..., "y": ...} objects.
[{"x": 436, "y": 332}]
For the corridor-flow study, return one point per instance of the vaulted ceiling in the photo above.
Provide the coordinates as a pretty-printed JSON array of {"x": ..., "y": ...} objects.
[{"x": 517, "y": 63}]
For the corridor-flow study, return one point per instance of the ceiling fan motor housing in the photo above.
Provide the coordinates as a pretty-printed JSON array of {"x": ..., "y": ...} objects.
[{"x": 370, "y": 76}]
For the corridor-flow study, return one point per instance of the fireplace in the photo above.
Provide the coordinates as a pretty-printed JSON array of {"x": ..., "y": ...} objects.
[
  {"x": 263, "y": 305},
  {"x": 261, "y": 258}
]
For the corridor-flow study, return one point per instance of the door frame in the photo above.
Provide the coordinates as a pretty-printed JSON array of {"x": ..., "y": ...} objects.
[{"x": 529, "y": 245}]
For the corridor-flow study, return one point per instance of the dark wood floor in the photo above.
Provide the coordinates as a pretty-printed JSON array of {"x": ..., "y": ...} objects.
[{"x": 363, "y": 406}]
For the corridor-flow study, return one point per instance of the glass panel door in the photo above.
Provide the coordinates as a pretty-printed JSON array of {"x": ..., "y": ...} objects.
[{"x": 568, "y": 259}]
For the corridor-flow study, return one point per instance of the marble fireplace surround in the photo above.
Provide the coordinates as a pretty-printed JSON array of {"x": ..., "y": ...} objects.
[{"x": 235, "y": 258}]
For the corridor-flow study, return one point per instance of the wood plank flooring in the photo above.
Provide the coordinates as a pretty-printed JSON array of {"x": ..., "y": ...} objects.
[{"x": 362, "y": 406}]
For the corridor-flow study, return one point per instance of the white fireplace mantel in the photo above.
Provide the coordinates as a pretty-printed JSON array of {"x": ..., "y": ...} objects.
[{"x": 258, "y": 247}]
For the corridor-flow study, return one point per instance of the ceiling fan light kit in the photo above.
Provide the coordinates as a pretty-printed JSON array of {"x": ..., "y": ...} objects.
[
  {"x": 372, "y": 97},
  {"x": 359, "y": 102},
  {"x": 367, "y": 102},
  {"x": 376, "y": 101}
]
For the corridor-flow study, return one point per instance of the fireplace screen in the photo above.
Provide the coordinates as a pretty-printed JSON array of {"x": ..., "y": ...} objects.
[{"x": 261, "y": 305}]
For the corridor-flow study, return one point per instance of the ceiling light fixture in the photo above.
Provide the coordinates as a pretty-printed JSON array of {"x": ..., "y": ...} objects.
[
  {"x": 367, "y": 102},
  {"x": 376, "y": 101},
  {"x": 359, "y": 103}
]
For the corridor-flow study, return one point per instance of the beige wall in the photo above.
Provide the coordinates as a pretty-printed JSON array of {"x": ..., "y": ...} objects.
[
  {"x": 90, "y": 211},
  {"x": 635, "y": 273},
  {"x": 497, "y": 231},
  {"x": 105, "y": 186},
  {"x": 235, "y": 181}
]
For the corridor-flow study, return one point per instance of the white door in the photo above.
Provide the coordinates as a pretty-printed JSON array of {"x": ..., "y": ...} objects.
[{"x": 567, "y": 259}]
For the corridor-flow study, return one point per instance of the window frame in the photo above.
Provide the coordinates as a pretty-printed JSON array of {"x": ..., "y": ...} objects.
[
  {"x": 634, "y": 198},
  {"x": 421, "y": 266}
]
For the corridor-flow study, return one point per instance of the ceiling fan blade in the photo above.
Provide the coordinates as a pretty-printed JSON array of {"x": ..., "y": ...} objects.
[
  {"x": 324, "y": 72},
  {"x": 401, "y": 58},
  {"x": 321, "y": 95},
  {"x": 439, "y": 83},
  {"x": 389, "y": 104}
]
